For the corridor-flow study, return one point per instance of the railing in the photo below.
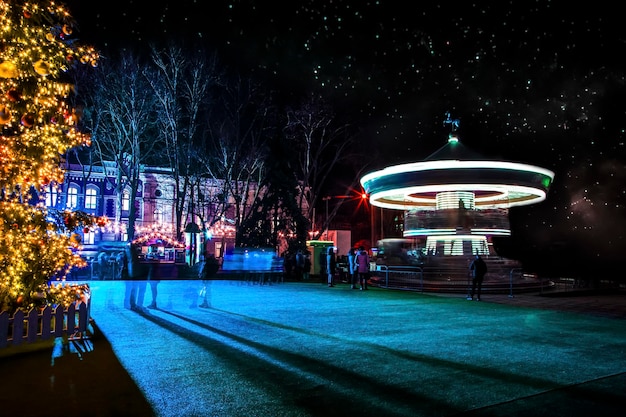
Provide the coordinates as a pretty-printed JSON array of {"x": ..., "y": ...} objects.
[
  {"x": 452, "y": 277},
  {"x": 40, "y": 325},
  {"x": 408, "y": 277}
]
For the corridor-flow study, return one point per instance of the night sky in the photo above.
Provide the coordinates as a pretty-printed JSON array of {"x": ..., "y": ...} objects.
[{"x": 539, "y": 82}]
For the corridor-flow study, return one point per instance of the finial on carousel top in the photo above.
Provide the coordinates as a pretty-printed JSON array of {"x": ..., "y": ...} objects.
[{"x": 454, "y": 125}]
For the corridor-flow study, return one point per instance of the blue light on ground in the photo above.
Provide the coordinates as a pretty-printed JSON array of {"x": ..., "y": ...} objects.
[{"x": 305, "y": 350}]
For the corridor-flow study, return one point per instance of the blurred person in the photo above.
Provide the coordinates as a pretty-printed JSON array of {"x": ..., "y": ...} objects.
[
  {"x": 288, "y": 265},
  {"x": 137, "y": 279},
  {"x": 331, "y": 265},
  {"x": 363, "y": 267},
  {"x": 208, "y": 270},
  {"x": 352, "y": 268},
  {"x": 299, "y": 264},
  {"x": 154, "y": 283},
  {"x": 306, "y": 268},
  {"x": 322, "y": 261}
]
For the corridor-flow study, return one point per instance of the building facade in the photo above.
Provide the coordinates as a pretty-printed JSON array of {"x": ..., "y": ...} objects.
[{"x": 93, "y": 190}]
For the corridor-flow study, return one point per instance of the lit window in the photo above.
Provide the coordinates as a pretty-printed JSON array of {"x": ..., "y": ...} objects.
[
  {"x": 89, "y": 238},
  {"x": 158, "y": 216},
  {"x": 90, "y": 198},
  {"x": 51, "y": 195},
  {"x": 72, "y": 197},
  {"x": 125, "y": 201}
]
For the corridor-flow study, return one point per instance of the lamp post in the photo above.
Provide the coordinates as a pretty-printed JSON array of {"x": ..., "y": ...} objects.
[
  {"x": 365, "y": 199},
  {"x": 371, "y": 225},
  {"x": 326, "y": 199},
  {"x": 381, "y": 223},
  {"x": 326, "y": 219},
  {"x": 191, "y": 234}
]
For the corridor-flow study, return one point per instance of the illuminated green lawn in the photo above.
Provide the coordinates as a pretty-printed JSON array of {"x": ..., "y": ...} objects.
[{"x": 307, "y": 350}]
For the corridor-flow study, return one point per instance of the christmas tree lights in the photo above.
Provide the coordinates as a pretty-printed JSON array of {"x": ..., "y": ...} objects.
[{"x": 37, "y": 126}]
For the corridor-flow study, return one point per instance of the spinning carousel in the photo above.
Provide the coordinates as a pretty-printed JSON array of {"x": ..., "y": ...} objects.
[{"x": 455, "y": 201}]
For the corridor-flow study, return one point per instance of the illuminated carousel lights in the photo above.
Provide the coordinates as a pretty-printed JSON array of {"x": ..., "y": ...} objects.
[
  {"x": 456, "y": 164},
  {"x": 453, "y": 245},
  {"x": 500, "y": 196},
  {"x": 458, "y": 237},
  {"x": 451, "y": 232},
  {"x": 429, "y": 232},
  {"x": 414, "y": 185},
  {"x": 453, "y": 199},
  {"x": 493, "y": 232}
]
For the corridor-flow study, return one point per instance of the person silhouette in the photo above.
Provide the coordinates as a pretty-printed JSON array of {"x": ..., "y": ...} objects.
[
  {"x": 478, "y": 269},
  {"x": 306, "y": 271},
  {"x": 207, "y": 272},
  {"x": 352, "y": 268},
  {"x": 299, "y": 265},
  {"x": 363, "y": 267},
  {"x": 331, "y": 265}
]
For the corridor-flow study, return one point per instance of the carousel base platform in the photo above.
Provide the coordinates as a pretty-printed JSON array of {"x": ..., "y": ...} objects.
[
  {"x": 452, "y": 275},
  {"x": 462, "y": 286}
]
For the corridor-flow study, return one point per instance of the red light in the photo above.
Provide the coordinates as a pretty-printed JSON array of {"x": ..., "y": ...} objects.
[{"x": 364, "y": 196}]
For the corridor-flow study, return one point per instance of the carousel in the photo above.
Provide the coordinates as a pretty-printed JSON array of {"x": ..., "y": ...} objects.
[{"x": 454, "y": 203}]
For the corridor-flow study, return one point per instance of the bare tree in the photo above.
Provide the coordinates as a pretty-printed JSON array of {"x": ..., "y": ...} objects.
[
  {"x": 321, "y": 143},
  {"x": 122, "y": 113},
  {"x": 181, "y": 83},
  {"x": 83, "y": 156},
  {"x": 237, "y": 148}
]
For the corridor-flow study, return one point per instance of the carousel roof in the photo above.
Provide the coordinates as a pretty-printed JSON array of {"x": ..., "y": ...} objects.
[
  {"x": 454, "y": 167},
  {"x": 455, "y": 150}
]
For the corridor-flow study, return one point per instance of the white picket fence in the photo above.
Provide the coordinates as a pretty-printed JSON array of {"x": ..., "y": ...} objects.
[{"x": 40, "y": 325}]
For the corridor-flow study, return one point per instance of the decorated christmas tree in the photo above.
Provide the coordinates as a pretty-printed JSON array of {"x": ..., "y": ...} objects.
[{"x": 37, "y": 127}]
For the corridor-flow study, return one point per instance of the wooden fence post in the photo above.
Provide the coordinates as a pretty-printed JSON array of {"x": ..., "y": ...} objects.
[
  {"x": 44, "y": 324},
  {"x": 18, "y": 327},
  {"x": 4, "y": 329}
]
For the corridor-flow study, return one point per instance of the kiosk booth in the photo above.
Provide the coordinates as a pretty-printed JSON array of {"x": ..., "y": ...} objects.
[
  {"x": 317, "y": 249},
  {"x": 155, "y": 256}
]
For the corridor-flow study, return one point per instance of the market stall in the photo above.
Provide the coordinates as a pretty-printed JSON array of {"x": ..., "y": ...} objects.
[{"x": 156, "y": 256}]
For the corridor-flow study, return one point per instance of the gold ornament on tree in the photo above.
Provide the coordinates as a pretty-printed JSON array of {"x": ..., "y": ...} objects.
[
  {"x": 5, "y": 115},
  {"x": 14, "y": 95},
  {"x": 28, "y": 120},
  {"x": 41, "y": 67},
  {"x": 8, "y": 70}
]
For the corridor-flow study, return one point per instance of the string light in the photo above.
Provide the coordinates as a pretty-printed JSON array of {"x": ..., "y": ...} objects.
[
  {"x": 158, "y": 236},
  {"x": 37, "y": 126}
]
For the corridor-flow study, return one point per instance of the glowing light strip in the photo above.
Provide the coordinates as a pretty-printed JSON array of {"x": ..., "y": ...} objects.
[
  {"x": 452, "y": 232},
  {"x": 499, "y": 232},
  {"x": 457, "y": 237},
  {"x": 527, "y": 195},
  {"x": 454, "y": 164},
  {"x": 429, "y": 232}
]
